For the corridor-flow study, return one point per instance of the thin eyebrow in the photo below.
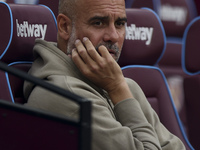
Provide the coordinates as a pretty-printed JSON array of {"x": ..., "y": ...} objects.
[
  {"x": 98, "y": 18},
  {"x": 106, "y": 18},
  {"x": 122, "y": 19}
]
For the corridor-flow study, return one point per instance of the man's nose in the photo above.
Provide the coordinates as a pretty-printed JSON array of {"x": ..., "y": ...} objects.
[{"x": 111, "y": 34}]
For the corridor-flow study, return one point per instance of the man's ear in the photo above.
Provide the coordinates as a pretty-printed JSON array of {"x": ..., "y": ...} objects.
[{"x": 64, "y": 26}]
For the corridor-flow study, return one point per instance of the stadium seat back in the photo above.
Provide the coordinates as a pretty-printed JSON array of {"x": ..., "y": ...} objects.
[
  {"x": 176, "y": 15},
  {"x": 26, "y": 128},
  {"x": 52, "y": 4},
  {"x": 190, "y": 63},
  {"x": 141, "y": 37},
  {"x": 20, "y": 26},
  {"x": 139, "y": 59},
  {"x": 152, "y": 4},
  {"x": 191, "y": 53}
]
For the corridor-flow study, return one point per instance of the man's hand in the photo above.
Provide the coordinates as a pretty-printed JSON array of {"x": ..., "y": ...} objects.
[{"x": 100, "y": 68}]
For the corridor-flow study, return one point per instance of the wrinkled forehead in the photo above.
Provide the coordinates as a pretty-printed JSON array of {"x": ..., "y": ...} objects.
[{"x": 91, "y": 7}]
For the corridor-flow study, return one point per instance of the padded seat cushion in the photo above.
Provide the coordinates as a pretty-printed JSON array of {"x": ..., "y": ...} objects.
[
  {"x": 190, "y": 51},
  {"x": 20, "y": 26},
  {"x": 145, "y": 39}
]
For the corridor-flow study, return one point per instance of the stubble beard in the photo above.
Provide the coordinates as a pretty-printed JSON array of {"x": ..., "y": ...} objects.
[
  {"x": 71, "y": 40},
  {"x": 112, "y": 47},
  {"x": 108, "y": 45}
]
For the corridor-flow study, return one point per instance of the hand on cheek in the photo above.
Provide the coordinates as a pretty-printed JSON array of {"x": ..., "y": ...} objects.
[{"x": 99, "y": 67}]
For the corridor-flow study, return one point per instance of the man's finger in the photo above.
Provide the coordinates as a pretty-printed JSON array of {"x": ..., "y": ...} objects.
[
  {"x": 81, "y": 50},
  {"x": 91, "y": 49},
  {"x": 77, "y": 59}
]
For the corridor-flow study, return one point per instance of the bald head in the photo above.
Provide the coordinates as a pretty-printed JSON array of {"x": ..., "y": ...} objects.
[
  {"x": 102, "y": 21},
  {"x": 68, "y": 8}
]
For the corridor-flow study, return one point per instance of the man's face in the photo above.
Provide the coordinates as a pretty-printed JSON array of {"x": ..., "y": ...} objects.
[{"x": 103, "y": 22}]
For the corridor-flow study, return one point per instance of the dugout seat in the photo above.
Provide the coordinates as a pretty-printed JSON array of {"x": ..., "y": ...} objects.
[
  {"x": 175, "y": 16},
  {"x": 152, "y": 4},
  {"x": 138, "y": 60},
  {"x": 20, "y": 26},
  {"x": 52, "y": 4},
  {"x": 191, "y": 66},
  {"x": 23, "y": 127}
]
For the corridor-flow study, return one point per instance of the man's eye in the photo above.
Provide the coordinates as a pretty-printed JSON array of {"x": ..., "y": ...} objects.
[
  {"x": 97, "y": 23},
  {"x": 120, "y": 24}
]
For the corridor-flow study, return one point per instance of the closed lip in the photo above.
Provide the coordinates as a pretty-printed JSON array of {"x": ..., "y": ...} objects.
[{"x": 112, "y": 51}]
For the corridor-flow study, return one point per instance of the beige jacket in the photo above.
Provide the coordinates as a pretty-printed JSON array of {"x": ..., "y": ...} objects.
[{"x": 130, "y": 125}]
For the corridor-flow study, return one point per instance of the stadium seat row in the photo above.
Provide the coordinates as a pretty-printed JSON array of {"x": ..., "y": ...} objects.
[
  {"x": 21, "y": 126},
  {"x": 150, "y": 56},
  {"x": 176, "y": 17}
]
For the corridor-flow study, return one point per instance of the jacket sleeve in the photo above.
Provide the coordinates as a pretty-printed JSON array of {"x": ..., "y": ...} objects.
[
  {"x": 128, "y": 128},
  {"x": 166, "y": 139},
  {"x": 130, "y": 131}
]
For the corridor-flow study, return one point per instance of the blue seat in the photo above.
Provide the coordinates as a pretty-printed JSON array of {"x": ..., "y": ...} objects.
[
  {"x": 175, "y": 16},
  {"x": 138, "y": 61},
  {"x": 152, "y": 4},
  {"x": 191, "y": 66},
  {"x": 23, "y": 127},
  {"x": 20, "y": 26},
  {"x": 52, "y": 4}
]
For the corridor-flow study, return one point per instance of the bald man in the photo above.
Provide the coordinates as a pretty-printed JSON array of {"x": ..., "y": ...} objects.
[{"x": 84, "y": 61}]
